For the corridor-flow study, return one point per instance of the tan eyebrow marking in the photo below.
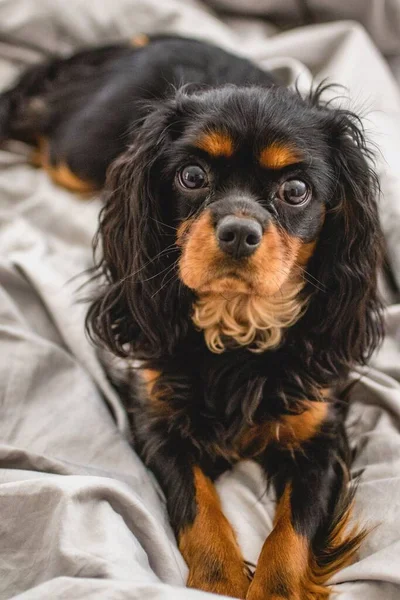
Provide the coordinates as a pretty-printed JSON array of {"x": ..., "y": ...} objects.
[
  {"x": 277, "y": 156},
  {"x": 216, "y": 143}
]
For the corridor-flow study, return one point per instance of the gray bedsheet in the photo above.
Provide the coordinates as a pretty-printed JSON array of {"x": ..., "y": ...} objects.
[{"x": 80, "y": 517}]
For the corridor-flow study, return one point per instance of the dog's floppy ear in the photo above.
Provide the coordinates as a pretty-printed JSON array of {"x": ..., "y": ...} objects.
[
  {"x": 346, "y": 311},
  {"x": 129, "y": 313}
]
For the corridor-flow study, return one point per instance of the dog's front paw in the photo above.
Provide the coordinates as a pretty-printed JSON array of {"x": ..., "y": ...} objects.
[
  {"x": 228, "y": 578},
  {"x": 259, "y": 591}
]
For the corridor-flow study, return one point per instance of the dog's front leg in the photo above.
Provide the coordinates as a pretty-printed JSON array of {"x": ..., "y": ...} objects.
[
  {"x": 209, "y": 546},
  {"x": 310, "y": 540},
  {"x": 204, "y": 535}
]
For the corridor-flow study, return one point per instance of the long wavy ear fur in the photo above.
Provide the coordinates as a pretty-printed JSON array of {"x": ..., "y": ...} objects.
[
  {"x": 129, "y": 315},
  {"x": 345, "y": 314}
]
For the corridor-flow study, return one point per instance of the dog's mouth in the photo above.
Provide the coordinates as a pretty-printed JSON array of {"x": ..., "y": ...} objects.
[{"x": 228, "y": 283}]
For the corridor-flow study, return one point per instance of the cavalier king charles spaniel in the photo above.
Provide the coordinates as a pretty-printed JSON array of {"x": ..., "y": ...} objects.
[{"x": 239, "y": 246}]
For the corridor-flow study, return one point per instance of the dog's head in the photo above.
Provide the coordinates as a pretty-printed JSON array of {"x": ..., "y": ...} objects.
[{"x": 242, "y": 212}]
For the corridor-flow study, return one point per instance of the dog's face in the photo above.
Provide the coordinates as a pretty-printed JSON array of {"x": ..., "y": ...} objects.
[
  {"x": 247, "y": 189},
  {"x": 239, "y": 200},
  {"x": 249, "y": 193}
]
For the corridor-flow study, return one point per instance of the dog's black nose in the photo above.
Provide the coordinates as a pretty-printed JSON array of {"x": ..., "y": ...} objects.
[{"x": 239, "y": 237}]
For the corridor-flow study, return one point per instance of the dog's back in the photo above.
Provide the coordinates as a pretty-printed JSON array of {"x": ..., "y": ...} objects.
[{"x": 81, "y": 111}]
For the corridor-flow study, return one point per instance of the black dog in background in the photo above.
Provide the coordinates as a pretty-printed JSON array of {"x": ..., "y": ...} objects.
[{"x": 240, "y": 244}]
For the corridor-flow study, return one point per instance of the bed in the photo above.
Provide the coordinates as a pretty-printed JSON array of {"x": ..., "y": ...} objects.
[{"x": 81, "y": 517}]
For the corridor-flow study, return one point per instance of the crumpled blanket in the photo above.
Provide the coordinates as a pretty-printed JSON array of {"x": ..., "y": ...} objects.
[{"x": 81, "y": 517}]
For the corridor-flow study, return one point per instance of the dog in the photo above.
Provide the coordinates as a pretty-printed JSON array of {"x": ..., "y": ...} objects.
[{"x": 239, "y": 247}]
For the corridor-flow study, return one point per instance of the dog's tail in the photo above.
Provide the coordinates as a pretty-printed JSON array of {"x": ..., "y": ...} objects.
[{"x": 340, "y": 544}]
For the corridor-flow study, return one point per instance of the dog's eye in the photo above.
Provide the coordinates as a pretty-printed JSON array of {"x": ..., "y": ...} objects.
[
  {"x": 294, "y": 191},
  {"x": 192, "y": 177}
]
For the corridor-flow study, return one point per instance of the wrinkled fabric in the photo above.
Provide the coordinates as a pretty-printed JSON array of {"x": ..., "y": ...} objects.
[{"x": 81, "y": 517}]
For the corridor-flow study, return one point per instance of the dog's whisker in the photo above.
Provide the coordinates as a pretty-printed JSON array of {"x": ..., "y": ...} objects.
[
  {"x": 168, "y": 268},
  {"x": 171, "y": 248},
  {"x": 163, "y": 286},
  {"x": 172, "y": 267},
  {"x": 164, "y": 224},
  {"x": 307, "y": 274}
]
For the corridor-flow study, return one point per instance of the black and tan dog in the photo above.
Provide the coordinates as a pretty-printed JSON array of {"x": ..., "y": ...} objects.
[{"x": 240, "y": 243}]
